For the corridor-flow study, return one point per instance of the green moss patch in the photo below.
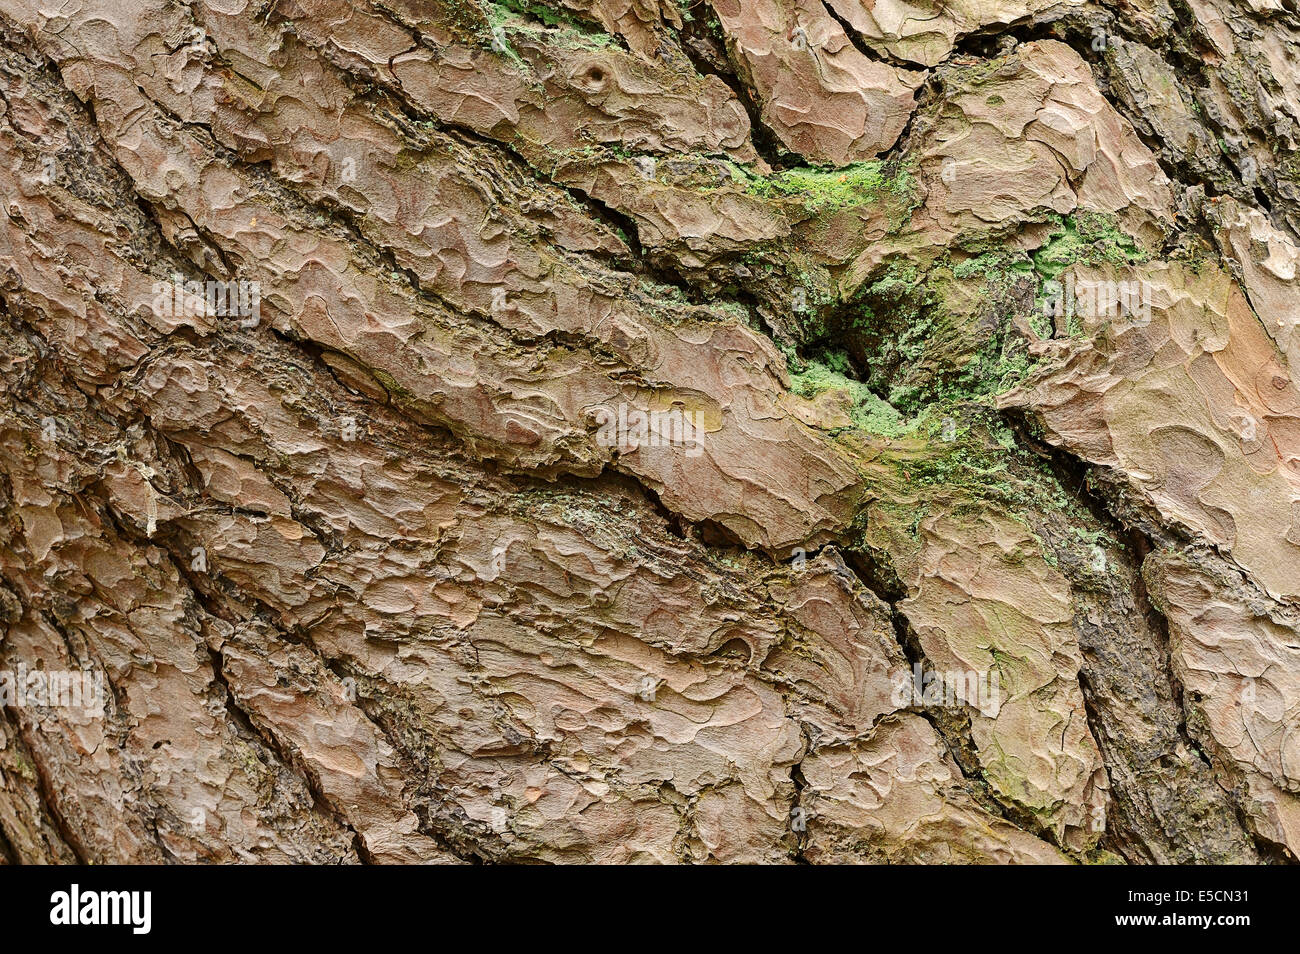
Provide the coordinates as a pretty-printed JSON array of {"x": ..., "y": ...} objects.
[
  {"x": 866, "y": 410},
  {"x": 830, "y": 190},
  {"x": 545, "y": 23},
  {"x": 1089, "y": 238}
]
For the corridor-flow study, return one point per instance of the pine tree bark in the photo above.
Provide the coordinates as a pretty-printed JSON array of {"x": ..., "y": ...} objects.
[{"x": 720, "y": 431}]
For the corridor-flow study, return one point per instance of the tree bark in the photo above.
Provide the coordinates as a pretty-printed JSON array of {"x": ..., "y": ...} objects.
[{"x": 717, "y": 431}]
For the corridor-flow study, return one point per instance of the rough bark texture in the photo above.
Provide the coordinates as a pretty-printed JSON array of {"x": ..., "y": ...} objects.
[{"x": 364, "y": 573}]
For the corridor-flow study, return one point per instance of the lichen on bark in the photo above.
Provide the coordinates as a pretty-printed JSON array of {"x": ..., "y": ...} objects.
[{"x": 768, "y": 431}]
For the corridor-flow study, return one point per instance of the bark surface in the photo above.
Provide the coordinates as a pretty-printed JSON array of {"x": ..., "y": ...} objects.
[{"x": 608, "y": 430}]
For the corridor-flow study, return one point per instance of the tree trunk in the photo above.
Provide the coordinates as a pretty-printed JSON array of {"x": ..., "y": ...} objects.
[{"x": 634, "y": 430}]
